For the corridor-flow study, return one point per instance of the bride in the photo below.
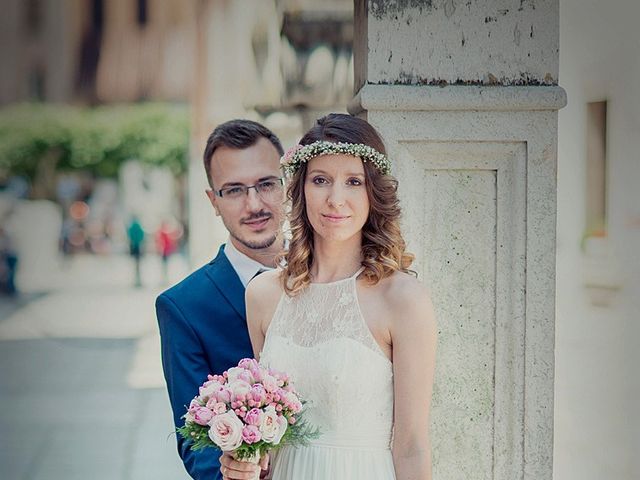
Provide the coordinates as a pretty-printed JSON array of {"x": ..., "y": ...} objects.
[{"x": 344, "y": 317}]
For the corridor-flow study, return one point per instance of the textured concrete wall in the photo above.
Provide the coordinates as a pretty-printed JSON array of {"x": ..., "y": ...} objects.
[
  {"x": 477, "y": 170},
  {"x": 509, "y": 42}
]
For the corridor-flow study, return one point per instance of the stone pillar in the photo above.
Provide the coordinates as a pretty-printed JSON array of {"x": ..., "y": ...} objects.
[{"x": 465, "y": 95}]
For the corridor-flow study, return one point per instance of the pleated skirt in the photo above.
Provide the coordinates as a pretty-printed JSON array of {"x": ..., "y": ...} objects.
[{"x": 323, "y": 462}]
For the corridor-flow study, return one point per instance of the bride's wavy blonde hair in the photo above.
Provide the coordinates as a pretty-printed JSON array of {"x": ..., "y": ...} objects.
[{"x": 383, "y": 247}]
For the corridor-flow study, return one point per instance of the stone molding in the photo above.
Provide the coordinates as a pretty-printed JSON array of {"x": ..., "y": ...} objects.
[{"x": 457, "y": 97}]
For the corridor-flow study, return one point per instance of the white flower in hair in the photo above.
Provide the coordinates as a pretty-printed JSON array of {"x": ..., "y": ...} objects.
[{"x": 299, "y": 154}]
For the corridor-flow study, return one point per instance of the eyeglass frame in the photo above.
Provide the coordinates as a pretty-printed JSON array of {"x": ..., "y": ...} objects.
[{"x": 219, "y": 193}]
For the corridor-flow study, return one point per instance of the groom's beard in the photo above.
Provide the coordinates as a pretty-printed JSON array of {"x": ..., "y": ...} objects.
[
  {"x": 257, "y": 245},
  {"x": 251, "y": 239}
]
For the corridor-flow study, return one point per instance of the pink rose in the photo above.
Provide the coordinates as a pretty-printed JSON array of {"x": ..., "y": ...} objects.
[
  {"x": 193, "y": 406},
  {"x": 248, "y": 363},
  {"x": 217, "y": 378},
  {"x": 292, "y": 402},
  {"x": 223, "y": 394},
  {"x": 232, "y": 373},
  {"x": 258, "y": 373},
  {"x": 270, "y": 383},
  {"x": 202, "y": 416},
  {"x": 246, "y": 376},
  {"x": 258, "y": 394},
  {"x": 208, "y": 389},
  {"x": 251, "y": 434},
  {"x": 280, "y": 376},
  {"x": 239, "y": 389},
  {"x": 253, "y": 417},
  {"x": 219, "y": 408},
  {"x": 226, "y": 431},
  {"x": 288, "y": 155}
]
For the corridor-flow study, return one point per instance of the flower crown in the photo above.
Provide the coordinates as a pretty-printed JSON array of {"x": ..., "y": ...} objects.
[{"x": 296, "y": 156}]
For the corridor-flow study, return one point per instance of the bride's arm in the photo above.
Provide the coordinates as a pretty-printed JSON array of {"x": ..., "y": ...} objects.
[
  {"x": 261, "y": 298},
  {"x": 413, "y": 333}
]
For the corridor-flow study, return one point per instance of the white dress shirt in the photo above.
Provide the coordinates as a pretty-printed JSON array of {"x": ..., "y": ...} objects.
[{"x": 245, "y": 267}]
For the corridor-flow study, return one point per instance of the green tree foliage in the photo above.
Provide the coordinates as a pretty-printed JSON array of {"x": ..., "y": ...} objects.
[{"x": 37, "y": 137}]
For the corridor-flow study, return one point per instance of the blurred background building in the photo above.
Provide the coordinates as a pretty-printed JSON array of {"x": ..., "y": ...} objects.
[
  {"x": 106, "y": 107},
  {"x": 284, "y": 64},
  {"x": 597, "y": 424}
]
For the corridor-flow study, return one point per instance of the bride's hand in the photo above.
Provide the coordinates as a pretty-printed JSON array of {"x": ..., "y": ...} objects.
[
  {"x": 232, "y": 469},
  {"x": 264, "y": 465}
]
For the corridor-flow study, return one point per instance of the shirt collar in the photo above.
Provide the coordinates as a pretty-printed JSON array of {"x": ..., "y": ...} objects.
[{"x": 245, "y": 267}]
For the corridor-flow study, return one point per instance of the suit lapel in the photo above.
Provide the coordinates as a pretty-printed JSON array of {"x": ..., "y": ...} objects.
[{"x": 227, "y": 282}]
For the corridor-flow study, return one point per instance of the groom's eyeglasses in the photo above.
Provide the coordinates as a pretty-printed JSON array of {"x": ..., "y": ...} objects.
[{"x": 269, "y": 190}]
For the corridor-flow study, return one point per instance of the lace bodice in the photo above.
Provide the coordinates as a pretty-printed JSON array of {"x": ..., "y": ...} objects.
[{"x": 321, "y": 339}]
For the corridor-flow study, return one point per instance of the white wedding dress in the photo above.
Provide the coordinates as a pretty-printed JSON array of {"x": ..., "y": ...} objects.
[{"x": 321, "y": 340}]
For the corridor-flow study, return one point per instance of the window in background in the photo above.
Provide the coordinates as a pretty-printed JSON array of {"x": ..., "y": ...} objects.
[
  {"x": 601, "y": 269},
  {"x": 596, "y": 211}
]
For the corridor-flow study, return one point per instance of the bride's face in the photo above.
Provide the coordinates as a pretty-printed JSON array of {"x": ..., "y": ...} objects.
[{"x": 336, "y": 196}]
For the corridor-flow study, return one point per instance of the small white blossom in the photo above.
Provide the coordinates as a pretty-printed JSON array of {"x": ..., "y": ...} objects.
[{"x": 296, "y": 156}]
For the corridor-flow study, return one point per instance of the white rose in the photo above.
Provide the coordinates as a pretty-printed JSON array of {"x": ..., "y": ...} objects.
[
  {"x": 282, "y": 427},
  {"x": 239, "y": 388},
  {"x": 269, "y": 427},
  {"x": 208, "y": 389},
  {"x": 226, "y": 431},
  {"x": 232, "y": 373},
  {"x": 270, "y": 383}
]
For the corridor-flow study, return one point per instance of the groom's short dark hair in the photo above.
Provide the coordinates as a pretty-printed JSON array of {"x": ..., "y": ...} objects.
[{"x": 238, "y": 134}]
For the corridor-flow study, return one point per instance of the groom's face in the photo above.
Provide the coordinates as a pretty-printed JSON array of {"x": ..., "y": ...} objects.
[{"x": 253, "y": 220}]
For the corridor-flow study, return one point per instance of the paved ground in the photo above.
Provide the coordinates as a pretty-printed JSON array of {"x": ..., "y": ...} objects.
[{"x": 82, "y": 394}]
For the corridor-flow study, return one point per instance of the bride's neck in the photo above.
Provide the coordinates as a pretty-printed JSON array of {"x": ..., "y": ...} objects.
[{"x": 335, "y": 260}]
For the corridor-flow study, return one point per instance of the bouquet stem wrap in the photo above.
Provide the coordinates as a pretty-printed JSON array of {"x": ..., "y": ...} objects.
[{"x": 255, "y": 459}]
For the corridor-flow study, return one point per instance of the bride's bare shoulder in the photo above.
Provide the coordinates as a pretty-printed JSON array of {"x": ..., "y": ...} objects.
[
  {"x": 405, "y": 294},
  {"x": 401, "y": 286},
  {"x": 265, "y": 288}
]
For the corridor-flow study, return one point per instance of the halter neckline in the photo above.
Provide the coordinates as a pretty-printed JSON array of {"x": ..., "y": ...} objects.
[{"x": 350, "y": 277}]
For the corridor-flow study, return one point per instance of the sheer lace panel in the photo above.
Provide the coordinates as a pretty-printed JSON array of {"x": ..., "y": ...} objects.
[{"x": 323, "y": 312}]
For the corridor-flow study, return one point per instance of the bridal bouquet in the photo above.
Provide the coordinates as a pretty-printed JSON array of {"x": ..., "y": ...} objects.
[{"x": 246, "y": 411}]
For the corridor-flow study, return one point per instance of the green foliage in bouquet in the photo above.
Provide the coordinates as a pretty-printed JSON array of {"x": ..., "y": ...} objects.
[
  {"x": 299, "y": 434},
  {"x": 197, "y": 435}
]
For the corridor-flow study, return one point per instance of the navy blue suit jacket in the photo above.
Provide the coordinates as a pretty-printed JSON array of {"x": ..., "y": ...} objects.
[{"x": 203, "y": 330}]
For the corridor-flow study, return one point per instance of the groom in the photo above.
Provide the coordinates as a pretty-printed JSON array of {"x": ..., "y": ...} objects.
[{"x": 202, "y": 321}]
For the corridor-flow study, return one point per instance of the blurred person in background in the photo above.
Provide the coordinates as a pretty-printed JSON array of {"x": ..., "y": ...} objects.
[
  {"x": 8, "y": 263},
  {"x": 167, "y": 237},
  {"x": 202, "y": 319},
  {"x": 135, "y": 234}
]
